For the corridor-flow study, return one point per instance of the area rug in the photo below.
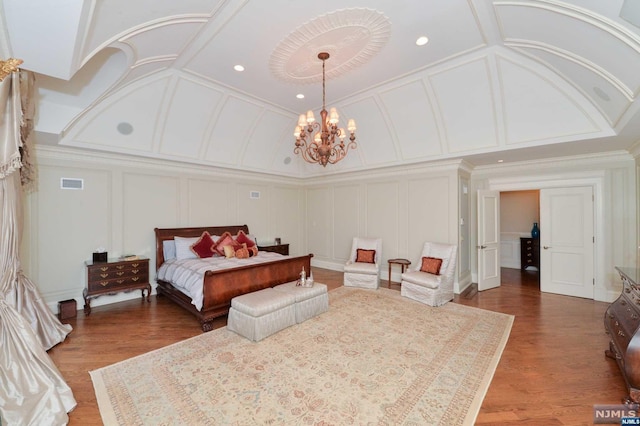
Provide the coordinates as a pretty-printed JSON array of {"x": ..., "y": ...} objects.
[{"x": 373, "y": 358}]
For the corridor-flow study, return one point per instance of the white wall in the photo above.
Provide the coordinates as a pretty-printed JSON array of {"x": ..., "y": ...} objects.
[
  {"x": 125, "y": 198},
  {"x": 612, "y": 177},
  {"x": 403, "y": 206},
  {"x": 518, "y": 211}
]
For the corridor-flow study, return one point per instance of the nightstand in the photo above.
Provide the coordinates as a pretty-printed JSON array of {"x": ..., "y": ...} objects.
[
  {"x": 276, "y": 248},
  {"x": 115, "y": 276}
]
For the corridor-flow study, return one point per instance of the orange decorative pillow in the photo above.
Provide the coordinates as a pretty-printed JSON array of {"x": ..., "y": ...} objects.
[
  {"x": 431, "y": 265},
  {"x": 365, "y": 256},
  {"x": 224, "y": 240},
  {"x": 242, "y": 252},
  {"x": 204, "y": 246}
]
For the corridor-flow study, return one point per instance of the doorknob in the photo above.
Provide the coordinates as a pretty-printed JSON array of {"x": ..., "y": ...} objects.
[
  {"x": 546, "y": 247},
  {"x": 481, "y": 247}
]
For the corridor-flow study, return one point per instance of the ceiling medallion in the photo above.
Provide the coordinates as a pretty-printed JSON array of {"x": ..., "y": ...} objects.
[{"x": 351, "y": 36}]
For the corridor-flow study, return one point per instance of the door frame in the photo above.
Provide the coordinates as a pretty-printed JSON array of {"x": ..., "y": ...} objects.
[{"x": 594, "y": 180}]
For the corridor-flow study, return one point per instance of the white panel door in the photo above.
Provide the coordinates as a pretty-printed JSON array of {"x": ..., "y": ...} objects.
[
  {"x": 488, "y": 239},
  {"x": 566, "y": 241}
]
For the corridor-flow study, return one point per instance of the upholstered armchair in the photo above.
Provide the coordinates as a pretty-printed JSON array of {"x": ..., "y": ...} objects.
[
  {"x": 431, "y": 280},
  {"x": 363, "y": 267}
]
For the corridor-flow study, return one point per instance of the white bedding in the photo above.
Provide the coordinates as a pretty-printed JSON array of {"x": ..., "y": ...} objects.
[{"x": 187, "y": 274}]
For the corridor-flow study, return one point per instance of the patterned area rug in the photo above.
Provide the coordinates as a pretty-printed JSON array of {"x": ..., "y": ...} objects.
[{"x": 374, "y": 358}]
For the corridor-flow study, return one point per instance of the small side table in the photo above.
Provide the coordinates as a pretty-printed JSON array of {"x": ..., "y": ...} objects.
[{"x": 404, "y": 264}]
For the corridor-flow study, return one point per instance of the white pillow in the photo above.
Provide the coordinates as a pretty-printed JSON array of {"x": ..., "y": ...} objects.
[
  {"x": 183, "y": 247},
  {"x": 169, "y": 249}
]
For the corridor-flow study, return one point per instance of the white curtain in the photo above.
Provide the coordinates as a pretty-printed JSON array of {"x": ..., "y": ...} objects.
[{"x": 32, "y": 390}]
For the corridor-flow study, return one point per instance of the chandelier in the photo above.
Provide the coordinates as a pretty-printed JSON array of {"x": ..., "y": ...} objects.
[{"x": 323, "y": 147}]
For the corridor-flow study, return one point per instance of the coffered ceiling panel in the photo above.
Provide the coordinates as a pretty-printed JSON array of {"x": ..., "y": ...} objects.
[
  {"x": 538, "y": 110},
  {"x": 608, "y": 97},
  {"x": 466, "y": 101},
  {"x": 577, "y": 34},
  {"x": 191, "y": 108},
  {"x": 259, "y": 152},
  {"x": 414, "y": 126},
  {"x": 236, "y": 120},
  {"x": 116, "y": 123}
]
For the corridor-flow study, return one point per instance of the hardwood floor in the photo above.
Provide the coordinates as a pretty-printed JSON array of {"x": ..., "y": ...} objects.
[{"x": 552, "y": 371}]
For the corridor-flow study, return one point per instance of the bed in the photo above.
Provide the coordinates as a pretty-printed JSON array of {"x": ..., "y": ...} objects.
[{"x": 220, "y": 286}]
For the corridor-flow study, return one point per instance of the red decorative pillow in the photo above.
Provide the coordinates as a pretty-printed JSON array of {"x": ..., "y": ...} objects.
[
  {"x": 365, "y": 256},
  {"x": 204, "y": 246},
  {"x": 242, "y": 238},
  {"x": 431, "y": 265},
  {"x": 224, "y": 240}
]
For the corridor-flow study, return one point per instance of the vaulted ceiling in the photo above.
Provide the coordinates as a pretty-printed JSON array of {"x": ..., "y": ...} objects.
[{"x": 501, "y": 79}]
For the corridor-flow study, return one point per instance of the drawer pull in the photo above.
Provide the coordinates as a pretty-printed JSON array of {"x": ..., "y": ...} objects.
[
  {"x": 120, "y": 266},
  {"x": 135, "y": 265},
  {"x": 104, "y": 275},
  {"x": 119, "y": 281},
  {"x": 634, "y": 316},
  {"x": 119, "y": 273},
  {"x": 104, "y": 283},
  {"x": 620, "y": 333},
  {"x": 135, "y": 271},
  {"x": 104, "y": 268},
  {"x": 135, "y": 278}
]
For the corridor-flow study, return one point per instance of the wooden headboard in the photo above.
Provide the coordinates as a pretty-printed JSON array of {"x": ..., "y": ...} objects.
[{"x": 163, "y": 234}]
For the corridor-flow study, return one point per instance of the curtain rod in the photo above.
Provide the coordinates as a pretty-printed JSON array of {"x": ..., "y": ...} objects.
[{"x": 8, "y": 66}]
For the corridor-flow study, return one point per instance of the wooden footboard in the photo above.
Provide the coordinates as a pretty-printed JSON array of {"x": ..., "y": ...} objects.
[{"x": 221, "y": 286}]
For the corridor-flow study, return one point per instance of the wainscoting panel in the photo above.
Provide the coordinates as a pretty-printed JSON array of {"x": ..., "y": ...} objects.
[
  {"x": 510, "y": 250},
  {"x": 319, "y": 221},
  {"x": 382, "y": 216},
  {"x": 207, "y": 202},
  {"x": 148, "y": 201},
  {"x": 346, "y": 223},
  {"x": 429, "y": 213}
]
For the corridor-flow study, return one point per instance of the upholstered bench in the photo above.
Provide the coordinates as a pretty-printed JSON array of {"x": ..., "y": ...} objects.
[
  {"x": 310, "y": 301},
  {"x": 261, "y": 313}
]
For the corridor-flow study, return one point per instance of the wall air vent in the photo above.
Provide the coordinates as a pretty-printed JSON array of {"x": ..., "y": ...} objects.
[
  {"x": 254, "y": 195},
  {"x": 71, "y": 183}
]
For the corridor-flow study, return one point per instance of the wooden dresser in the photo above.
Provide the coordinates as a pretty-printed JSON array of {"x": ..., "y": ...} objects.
[
  {"x": 529, "y": 252},
  {"x": 115, "y": 276},
  {"x": 622, "y": 321}
]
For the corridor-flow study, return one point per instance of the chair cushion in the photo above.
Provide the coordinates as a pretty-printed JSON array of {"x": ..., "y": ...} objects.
[
  {"x": 440, "y": 251},
  {"x": 431, "y": 265},
  {"x": 422, "y": 278},
  {"x": 361, "y": 268},
  {"x": 365, "y": 256}
]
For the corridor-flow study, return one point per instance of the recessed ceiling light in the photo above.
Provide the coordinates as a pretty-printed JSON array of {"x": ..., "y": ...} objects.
[
  {"x": 500, "y": 161},
  {"x": 421, "y": 41},
  {"x": 238, "y": 68},
  {"x": 300, "y": 96}
]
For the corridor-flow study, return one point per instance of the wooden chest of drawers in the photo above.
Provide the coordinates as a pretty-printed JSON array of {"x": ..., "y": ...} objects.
[
  {"x": 115, "y": 276},
  {"x": 622, "y": 323},
  {"x": 529, "y": 252}
]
